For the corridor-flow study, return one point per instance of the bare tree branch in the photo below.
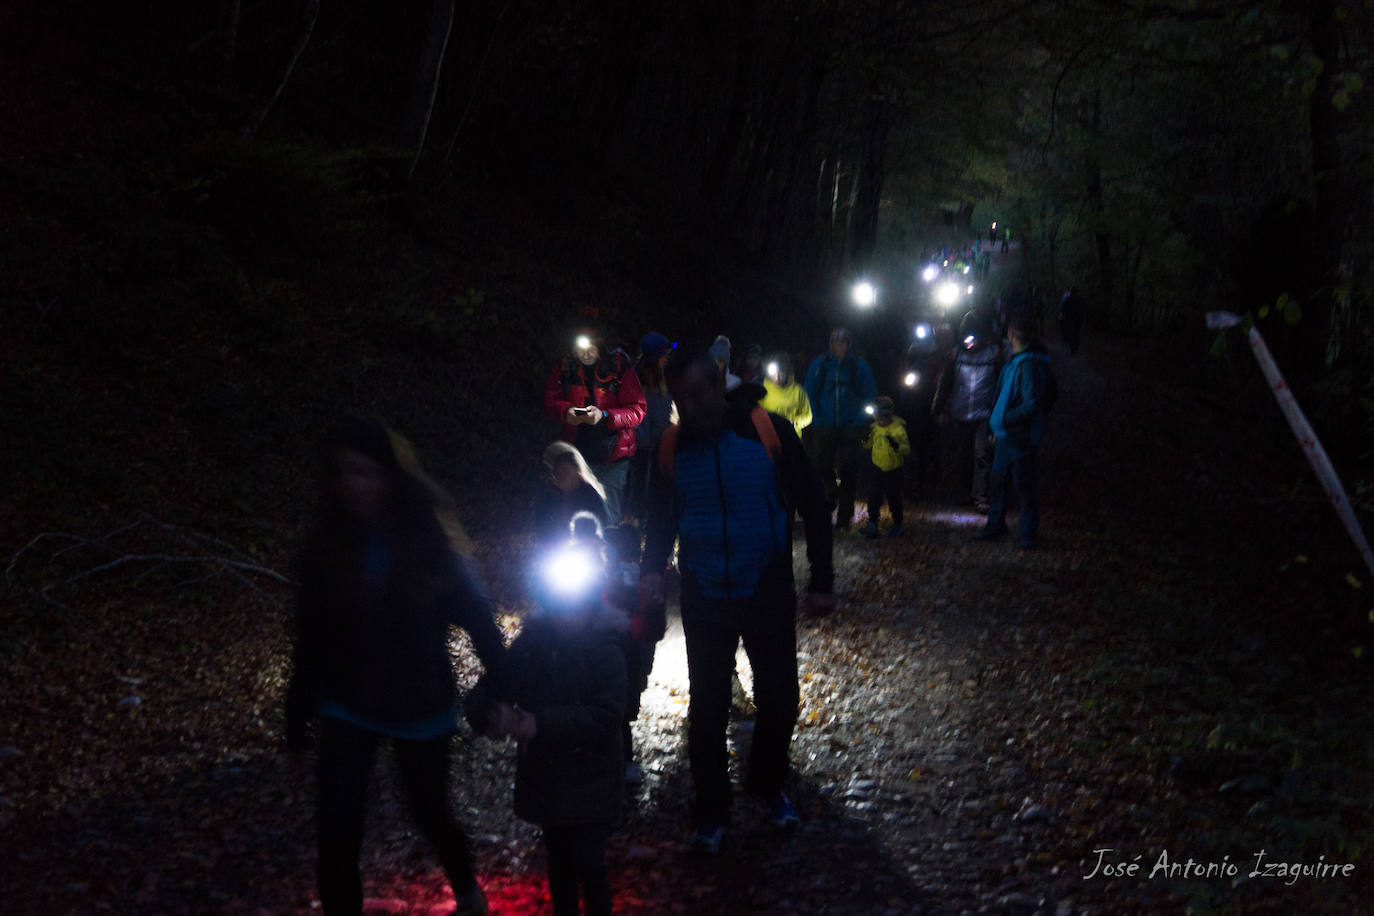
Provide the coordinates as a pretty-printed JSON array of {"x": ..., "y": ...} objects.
[
  {"x": 312, "y": 13},
  {"x": 213, "y": 557}
]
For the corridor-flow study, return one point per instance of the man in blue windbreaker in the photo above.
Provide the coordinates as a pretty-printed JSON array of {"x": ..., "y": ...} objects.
[
  {"x": 1018, "y": 426},
  {"x": 732, "y": 474},
  {"x": 839, "y": 385}
]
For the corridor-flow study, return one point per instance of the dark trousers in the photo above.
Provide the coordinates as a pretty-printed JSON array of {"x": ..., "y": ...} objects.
[
  {"x": 922, "y": 468},
  {"x": 973, "y": 452},
  {"x": 1025, "y": 471},
  {"x": 885, "y": 485},
  {"x": 345, "y": 766},
  {"x": 639, "y": 661},
  {"x": 577, "y": 855},
  {"x": 713, "y": 628},
  {"x": 835, "y": 452}
]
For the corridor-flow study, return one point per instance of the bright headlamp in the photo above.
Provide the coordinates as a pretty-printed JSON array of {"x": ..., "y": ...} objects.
[
  {"x": 947, "y": 294},
  {"x": 571, "y": 572}
]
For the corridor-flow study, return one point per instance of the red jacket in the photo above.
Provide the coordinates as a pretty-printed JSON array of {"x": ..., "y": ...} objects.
[{"x": 616, "y": 391}]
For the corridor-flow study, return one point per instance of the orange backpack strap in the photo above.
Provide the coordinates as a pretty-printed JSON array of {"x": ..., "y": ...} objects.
[
  {"x": 763, "y": 424},
  {"x": 768, "y": 435}
]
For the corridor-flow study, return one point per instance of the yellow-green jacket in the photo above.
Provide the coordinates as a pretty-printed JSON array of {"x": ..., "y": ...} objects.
[
  {"x": 889, "y": 444},
  {"x": 789, "y": 402}
]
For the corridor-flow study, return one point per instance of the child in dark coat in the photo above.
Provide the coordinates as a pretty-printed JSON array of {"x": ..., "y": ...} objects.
[{"x": 566, "y": 673}]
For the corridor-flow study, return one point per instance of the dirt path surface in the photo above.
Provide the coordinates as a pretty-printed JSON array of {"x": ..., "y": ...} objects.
[{"x": 1174, "y": 674}]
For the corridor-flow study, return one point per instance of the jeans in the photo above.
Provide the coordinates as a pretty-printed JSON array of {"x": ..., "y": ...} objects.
[
  {"x": 713, "y": 628},
  {"x": 835, "y": 452},
  {"x": 1021, "y": 466},
  {"x": 345, "y": 765},
  {"x": 613, "y": 477},
  {"x": 577, "y": 854}
]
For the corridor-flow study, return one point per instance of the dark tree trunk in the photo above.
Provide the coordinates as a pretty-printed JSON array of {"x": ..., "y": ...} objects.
[
  {"x": 1106, "y": 276},
  {"x": 256, "y": 119},
  {"x": 1315, "y": 329},
  {"x": 963, "y": 220},
  {"x": 746, "y": 69},
  {"x": 868, "y": 194},
  {"x": 415, "y": 126},
  {"x": 228, "y": 41},
  {"x": 774, "y": 117},
  {"x": 621, "y": 51}
]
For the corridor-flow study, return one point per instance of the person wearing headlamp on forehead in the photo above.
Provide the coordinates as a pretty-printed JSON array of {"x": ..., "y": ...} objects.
[
  {"x": 566, "y": 676},
  {"x": 732, "y": 474},
  {"x": 594, "y": 393}
]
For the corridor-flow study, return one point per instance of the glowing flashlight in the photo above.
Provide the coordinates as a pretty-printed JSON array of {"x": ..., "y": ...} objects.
[
  {"x": 583, "y": 342},
  {"x": 773, "y": 371},
  {"x": 869, "y": 410},
  {"x": 965, "y": 268},
  {"x": 930, "y": 273},
  {"x": 864, "y": 294},
  {"x": 947, "y": 294},
  {"x": 968, "y": 341},
  {"x": 911, "y": 379},
  {"x": 970, "y": 289},
  {"x": 570, "y": 571},
  {"x": 922, "y": 331}
]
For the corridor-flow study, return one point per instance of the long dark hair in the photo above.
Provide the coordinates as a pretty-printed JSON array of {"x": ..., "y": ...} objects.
[{"x": 417, "y": 506}]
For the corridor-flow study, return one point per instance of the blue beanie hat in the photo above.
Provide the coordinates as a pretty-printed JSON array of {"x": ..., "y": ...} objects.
[{"x": 654, "y": 345}]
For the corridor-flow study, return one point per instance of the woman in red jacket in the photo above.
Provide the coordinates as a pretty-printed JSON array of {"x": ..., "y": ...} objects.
[{"x": 597, "y": 397}]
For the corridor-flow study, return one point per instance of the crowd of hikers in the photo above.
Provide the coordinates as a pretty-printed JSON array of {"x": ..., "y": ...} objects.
[{"x": 689, "y": 462}]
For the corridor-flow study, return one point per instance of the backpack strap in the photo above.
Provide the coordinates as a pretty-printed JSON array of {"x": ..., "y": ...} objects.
[
  {"x": 763, "y": 425},
  {"x": 768, "y": 435}
]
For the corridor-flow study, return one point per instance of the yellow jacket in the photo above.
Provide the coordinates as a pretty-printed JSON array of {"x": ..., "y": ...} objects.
[
  {"x": 789, "y": 402},
  {"x": 889, "y": 444}
]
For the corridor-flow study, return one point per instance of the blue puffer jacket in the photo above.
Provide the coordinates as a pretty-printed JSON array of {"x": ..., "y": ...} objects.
[
  {"x": 1017, "y": 416},
  {"x": 839, "y": 390},
  {"x": 727, "y": 503}
]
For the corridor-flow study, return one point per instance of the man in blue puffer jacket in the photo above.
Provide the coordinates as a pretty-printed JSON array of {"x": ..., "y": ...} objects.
[
  {"x": 1018, "y": 426},
  {"x": 732, "y": 475},
  {"x": 839, "y": 385}
]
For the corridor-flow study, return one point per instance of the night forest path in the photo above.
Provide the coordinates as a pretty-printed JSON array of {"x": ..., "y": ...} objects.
[{"x": 1162, "y": 676}]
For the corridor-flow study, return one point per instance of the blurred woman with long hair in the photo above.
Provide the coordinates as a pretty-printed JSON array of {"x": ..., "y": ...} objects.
[
  {"x": 569, "y": 487},
  {"x": 382, "y": 581}
]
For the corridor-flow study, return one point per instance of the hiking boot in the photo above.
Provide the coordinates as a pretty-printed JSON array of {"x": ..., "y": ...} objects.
[
  {"x": 869, "y": 531},
  {"x": 781, "y": 813},
  {"x": 706, "y": 839},
  {"x": 988, "y": 533}
]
